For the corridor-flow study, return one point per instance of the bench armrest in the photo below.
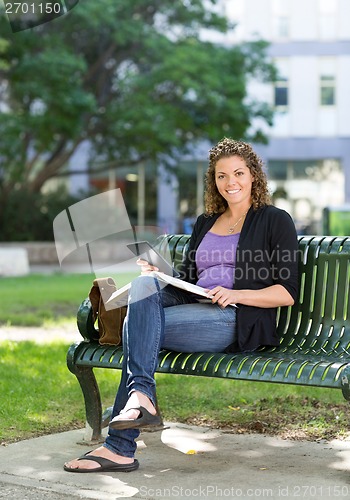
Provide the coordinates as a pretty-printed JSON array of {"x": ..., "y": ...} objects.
[{"x": 85, "y": 322}]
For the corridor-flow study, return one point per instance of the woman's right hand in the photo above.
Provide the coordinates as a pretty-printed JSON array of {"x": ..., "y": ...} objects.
[{"x": 146, "y": 268}]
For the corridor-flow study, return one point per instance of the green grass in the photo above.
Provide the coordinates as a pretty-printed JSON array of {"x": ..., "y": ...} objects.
[
  {"x": 39, "y": 395},
  {"x": 41, "y": 300},
  {"x": 240, "y": 406}
]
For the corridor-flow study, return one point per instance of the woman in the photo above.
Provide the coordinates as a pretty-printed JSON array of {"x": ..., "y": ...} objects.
[{"x": 243, "y": 251}]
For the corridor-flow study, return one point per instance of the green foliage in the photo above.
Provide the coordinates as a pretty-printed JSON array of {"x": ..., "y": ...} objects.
[
  {"x": 3, "y": 47},
  {"x": 134, "y": 78},
  {"x": 28, "y": 216}
]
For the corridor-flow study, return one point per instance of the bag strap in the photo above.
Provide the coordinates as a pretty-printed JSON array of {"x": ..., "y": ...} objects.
[{"x": 110, "y": 321}]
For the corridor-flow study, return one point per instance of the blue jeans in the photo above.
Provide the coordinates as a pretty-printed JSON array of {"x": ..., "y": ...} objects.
[{"x": 163, "y": 317}]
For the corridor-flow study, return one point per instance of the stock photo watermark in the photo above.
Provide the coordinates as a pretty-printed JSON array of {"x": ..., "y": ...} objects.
[
  {"x": 32, "y": 13},
  {"x": 215, "y": 491},
  {"x": 96, "y": 236}
]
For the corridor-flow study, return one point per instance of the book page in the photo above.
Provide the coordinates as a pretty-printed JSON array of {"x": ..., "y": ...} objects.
[
  {"x": 119, "y": 298},
  {"x": 184, "y": 285}
]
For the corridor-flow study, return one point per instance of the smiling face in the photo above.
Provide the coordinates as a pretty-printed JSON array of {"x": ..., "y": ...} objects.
[{"x": 234, "y": 180}]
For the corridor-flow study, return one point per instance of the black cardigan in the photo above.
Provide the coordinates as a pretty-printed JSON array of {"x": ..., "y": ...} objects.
[{"x": 267, "y": 254}]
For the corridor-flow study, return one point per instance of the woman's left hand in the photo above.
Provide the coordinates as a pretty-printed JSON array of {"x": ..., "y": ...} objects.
[{"x": 222, "y": 296}]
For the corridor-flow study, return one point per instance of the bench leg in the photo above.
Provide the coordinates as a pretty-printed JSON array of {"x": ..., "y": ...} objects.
[
  {"x": 345, "y": 384},
  {"x": 107, "y": 416},
  {"x": 93, "y": 406}
]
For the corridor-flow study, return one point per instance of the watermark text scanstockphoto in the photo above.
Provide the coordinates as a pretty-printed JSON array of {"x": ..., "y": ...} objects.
[
  {"x": 209, "y": 491},
  {"x": 32, "y": 13},
  {"x": 214, "y": 491}
]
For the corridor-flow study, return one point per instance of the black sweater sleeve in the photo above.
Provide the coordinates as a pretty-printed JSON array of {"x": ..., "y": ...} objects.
[{"x": 284, "y": 252}]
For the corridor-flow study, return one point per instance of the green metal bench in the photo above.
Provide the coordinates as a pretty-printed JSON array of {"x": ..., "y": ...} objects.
[{"x": 315, "y": 335}]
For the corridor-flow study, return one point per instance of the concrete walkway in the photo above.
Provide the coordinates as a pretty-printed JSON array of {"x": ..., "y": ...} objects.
[
  {"x": 179, "y": 462},
  {"x": 66, "y": 333}
]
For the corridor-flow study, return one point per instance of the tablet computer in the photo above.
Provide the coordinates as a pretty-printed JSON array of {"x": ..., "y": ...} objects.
[{"x": 145, "y": 250}]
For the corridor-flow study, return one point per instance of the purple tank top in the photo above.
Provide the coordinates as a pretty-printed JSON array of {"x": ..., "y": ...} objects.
[{"x": 215, "y": 260}]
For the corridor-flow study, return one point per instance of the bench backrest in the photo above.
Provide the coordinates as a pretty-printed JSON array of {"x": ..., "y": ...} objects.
[{"x": 319, "y": 322}]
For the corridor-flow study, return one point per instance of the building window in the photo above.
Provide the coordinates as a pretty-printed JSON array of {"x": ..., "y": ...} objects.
[
  {"x": 327, "y": 90},
  {"x": 328, "y": 18},
  {"x": 277, "y": 170},
  {"x": 281, "y": 85},
  {"x": 282, "y": 27},
  {"x": 316, "y": 170},
  {"x": 281, "y": 18},
  {"x": 327, "y": 81},
  {"x": 281, "y": 93}
]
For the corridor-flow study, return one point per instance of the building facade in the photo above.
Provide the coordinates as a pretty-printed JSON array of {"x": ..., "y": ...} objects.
[{"x": 308, "y": 154}]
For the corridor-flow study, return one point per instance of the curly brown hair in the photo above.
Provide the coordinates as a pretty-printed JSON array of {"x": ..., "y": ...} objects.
[{"x": 214, "y": 202}]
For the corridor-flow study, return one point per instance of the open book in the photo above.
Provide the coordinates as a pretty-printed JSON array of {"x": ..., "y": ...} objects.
[{"x": 119, "y": 298}]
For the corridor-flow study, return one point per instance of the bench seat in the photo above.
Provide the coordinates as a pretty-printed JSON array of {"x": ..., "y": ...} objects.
[{"x": 314, "y": 332}]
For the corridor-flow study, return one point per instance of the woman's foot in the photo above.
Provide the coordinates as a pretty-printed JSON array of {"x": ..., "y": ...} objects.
[
  {"x": 86, "y": 465},
  {"x": 138, "y": 412},
  {"x": 130, "y": 411}
]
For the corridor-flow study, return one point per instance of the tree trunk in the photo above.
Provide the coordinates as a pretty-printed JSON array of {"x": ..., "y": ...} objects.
[{"x": 52, "y": 168}]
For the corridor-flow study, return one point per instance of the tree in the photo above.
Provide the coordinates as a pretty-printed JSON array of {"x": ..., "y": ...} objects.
[{"x": 136, "y": 79}]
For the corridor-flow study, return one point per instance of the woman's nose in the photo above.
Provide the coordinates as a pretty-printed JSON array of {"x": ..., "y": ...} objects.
[{"x": 231, "y": 181}]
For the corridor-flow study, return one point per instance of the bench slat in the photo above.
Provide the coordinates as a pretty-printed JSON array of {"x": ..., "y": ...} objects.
[{"x": 268, "y": 366}]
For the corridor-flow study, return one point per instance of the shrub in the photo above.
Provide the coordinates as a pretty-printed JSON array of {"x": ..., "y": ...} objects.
[{"x": 29, "y": 216}]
